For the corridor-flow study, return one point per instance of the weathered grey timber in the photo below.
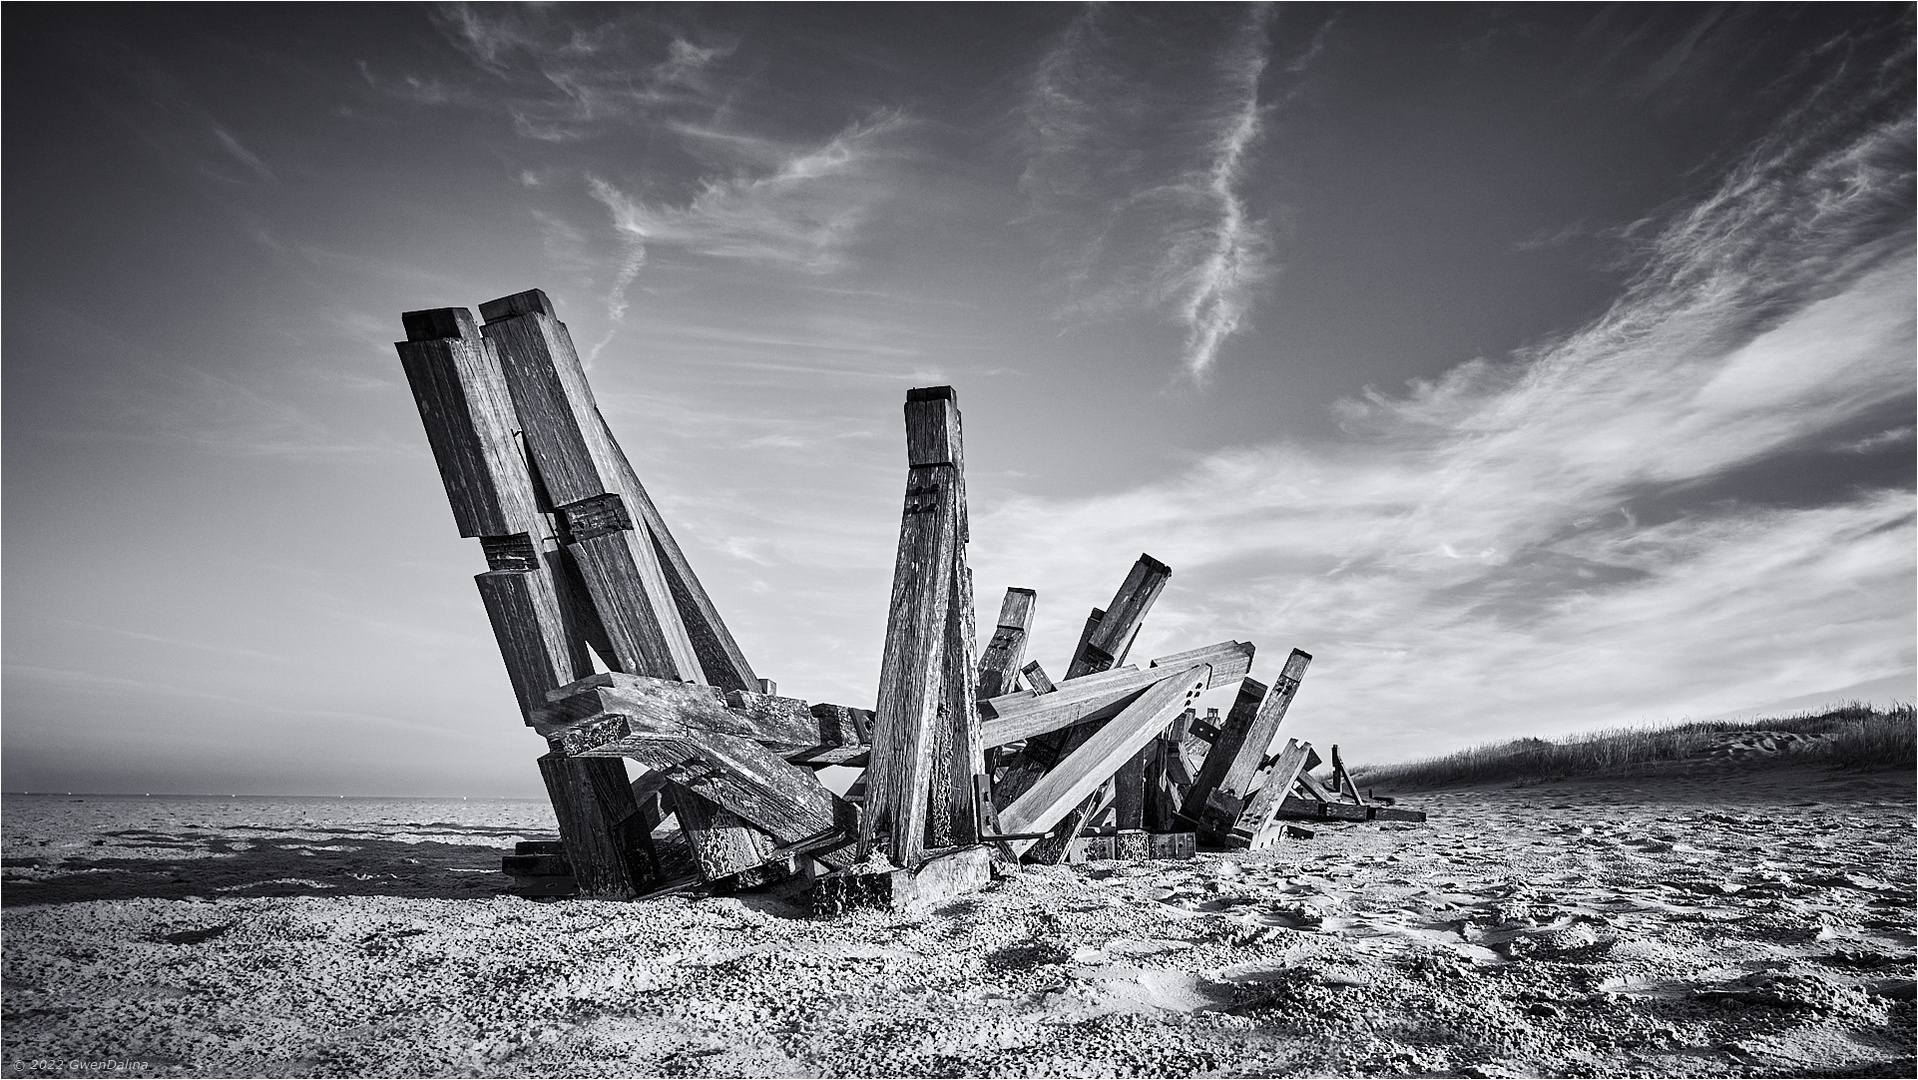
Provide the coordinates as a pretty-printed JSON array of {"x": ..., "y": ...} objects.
[
  {"x": 954, "y": 811},
  {"x": 1037, "y": 679},
  {"x": 1120, "y": 622},
  {"x": 1128, "y": 791},
  {"x": 1318, "y": 809},
  {"x": 999, "y": 664},
  {"x": 911, "y": 674},
  {"x": 594, "y": 807},
  {"x": 1341, "y": 782},
  {"x": 471, "y": 423},
  {"x": 585, "y": 445},
  {"x": 574, "y": 452},
  {"x": 1253, "y": 827},
  {"x": 1239, "y": 749},
  {"x": 1024, "y": 713},
  {"x": 1075, "y": 666},
  {"x": 1081, "y": 773},
  {"x": 936, "y": 880}
]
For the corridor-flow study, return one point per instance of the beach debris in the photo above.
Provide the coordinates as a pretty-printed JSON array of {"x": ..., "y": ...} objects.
[{"x": 971, "y": 760}]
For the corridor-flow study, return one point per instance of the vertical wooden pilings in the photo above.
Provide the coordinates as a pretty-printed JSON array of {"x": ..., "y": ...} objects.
[{"x": 925, "y": 738}]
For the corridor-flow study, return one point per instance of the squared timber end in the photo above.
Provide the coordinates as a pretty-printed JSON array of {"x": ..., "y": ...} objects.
[
  {"x": 932, "y": 427},
  {"x": 935, "y": 881},
  {"x": 446, "y": 322},
  {"x": 530, "y": 302}
]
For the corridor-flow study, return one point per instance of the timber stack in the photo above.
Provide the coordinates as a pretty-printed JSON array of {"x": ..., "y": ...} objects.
[{"x": 971, "y": 760}]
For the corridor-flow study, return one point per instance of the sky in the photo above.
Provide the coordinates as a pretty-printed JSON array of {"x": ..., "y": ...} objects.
[{"x": 1536, "y": 368}]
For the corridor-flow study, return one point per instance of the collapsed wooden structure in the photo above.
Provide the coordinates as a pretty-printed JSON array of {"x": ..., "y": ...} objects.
[{"x": 968, "y": 756}]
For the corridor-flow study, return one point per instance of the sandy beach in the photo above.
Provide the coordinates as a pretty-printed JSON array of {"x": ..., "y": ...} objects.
[{"x": 1728, "y": 921}]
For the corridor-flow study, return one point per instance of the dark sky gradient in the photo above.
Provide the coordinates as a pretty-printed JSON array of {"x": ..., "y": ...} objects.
[{"x": 1536, "y": 368}]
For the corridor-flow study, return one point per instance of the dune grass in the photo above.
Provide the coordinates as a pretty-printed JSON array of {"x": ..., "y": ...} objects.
[{"x": 1852, "y": 736}]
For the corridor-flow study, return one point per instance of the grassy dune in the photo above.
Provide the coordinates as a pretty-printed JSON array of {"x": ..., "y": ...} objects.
[{"x": 1853, "y": 736}]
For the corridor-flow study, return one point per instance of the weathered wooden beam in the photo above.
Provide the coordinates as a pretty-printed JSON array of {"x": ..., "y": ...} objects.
[
  {"x": 1142, "y": 585},
  {"x": 1000, "y": 662},
  {"x": 579, "y": 465},
  {"x": 1036, "y": 678},
  {"x": 1319, "y": 810},
  {"x": 722, "y": 843},
  {"x": 1161, "y": 800},
  {"x": 1239, "y": 750},
  {"x": 954, "y": 814},
  {"x": 747, "y": 780},
  {"x": 590, "y": 713},
  {"x": 1228, "y": 741},
  {"x": 1310, "y": 785},
  {"x": 1341, "y": 781},
  {"x": 471, "y": 424},
  {"x": 1074, "y": 667},
  {"x": 1079, "y": 775},
  {"x": 1023, "y": 714},
  {"x": 1129, "y": 792},
  {"x": 525, "y": 617},
  {"x": 592, "y": 803},
  {"x": 1251, "y": 827},
  {"x": 913, "y": 663}
]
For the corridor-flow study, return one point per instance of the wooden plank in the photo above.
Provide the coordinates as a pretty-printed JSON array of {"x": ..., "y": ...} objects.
[
  {"x": 785, "y": 800},
  {"x": 1160, "y": 800},
  {"x": 526, "y": 623},
  {"x": 1250, "y": 828},
  {"x": 842, "y": 725},
  {"x": 1142, "y": 585},
  {"x": 549, "y": 390},
  {"x": 591, "y": 713},
  {"x": 722, "y": 843},
  {"x": 1023, "y": 714},
  {"x": 965, "y": 758},
  {"x": 1265, "y": 727},
  {"x": 1074, "y": 668},
  {"x": 1128, "y": 790},
  {"x": 1230, "y": 661},
  {"x": 1229, "y": 749},
  {"x": 1312, "y": 787},
  {"x": 591, "y": 800},
  {"x": 1341, "y": 781},
  {"x": 913, "y": 658},
  {"x": 1061, "y": 843},
  {"x": 829, "y": 725},
  {"x": 1000, "y": 662},
  {"x": 616, "y": 566},
  {"x": 1072, "y": 780},
  {"x": 579, "y": 465},
  {"x": 470, "y": 422},
  {"x": 1036, "y": 678}
]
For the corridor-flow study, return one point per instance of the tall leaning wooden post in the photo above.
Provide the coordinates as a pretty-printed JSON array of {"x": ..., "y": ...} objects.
[
  {"x": 643, "y": 597},
  {"x": 925, "y": 731},
  {"x": 472, "y": 425}
]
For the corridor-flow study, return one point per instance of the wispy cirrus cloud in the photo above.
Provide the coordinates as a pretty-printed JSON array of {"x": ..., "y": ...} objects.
[
  {"x": 800, "y": 213},
  {"x": 1530, "y": 545},
  {"x": 562, "y": 79},
  {"x": 1141, "y": 172}
]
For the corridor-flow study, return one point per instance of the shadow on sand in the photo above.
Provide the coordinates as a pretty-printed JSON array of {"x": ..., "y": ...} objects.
[{"x": 135, "y": 863}]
